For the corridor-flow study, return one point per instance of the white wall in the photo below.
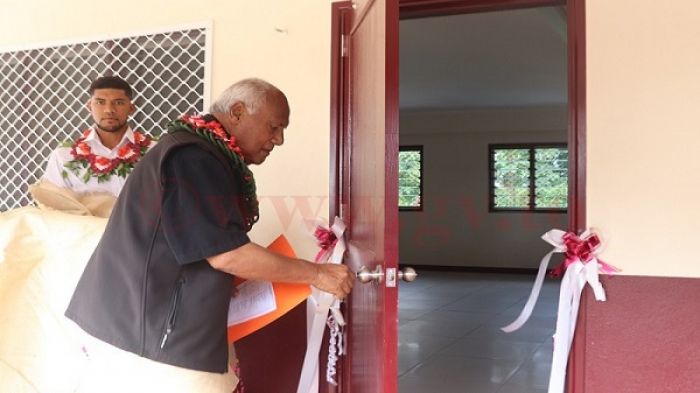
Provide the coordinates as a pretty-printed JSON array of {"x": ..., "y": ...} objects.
[
  {"x": 246, "y": 42},
  {"x": 643, "y": 133},
  {"x": 455, "y": 228}
]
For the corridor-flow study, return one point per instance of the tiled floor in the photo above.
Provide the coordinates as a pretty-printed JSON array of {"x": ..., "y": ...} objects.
[{"x": 449, "y": 337}]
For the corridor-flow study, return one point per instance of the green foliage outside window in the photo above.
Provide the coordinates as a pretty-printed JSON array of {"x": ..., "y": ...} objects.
[
  {"x": 551, "y": 177},
  {"x": 513, "y": 171},
  {"x": 410, "y": 161},
  {"x": 511, "y": 178}
]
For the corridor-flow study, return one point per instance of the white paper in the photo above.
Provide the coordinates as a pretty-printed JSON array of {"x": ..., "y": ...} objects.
[{"x": 254, "y": 298}]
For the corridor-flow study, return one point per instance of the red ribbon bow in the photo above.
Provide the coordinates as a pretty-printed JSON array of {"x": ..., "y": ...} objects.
[
  {"x": 577, "y": 249},
  {"x": 326, "y": 239}
]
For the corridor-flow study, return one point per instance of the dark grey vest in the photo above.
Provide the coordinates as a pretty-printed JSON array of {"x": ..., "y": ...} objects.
[{"x": 134, "y": 295}]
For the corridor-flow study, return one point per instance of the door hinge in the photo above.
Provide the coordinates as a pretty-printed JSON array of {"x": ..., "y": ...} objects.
[{"x": 343, "y": 45}]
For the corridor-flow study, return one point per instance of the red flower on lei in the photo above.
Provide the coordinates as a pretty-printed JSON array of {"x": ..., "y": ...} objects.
[
  {"x": 216, "y": 129},
  {"x": 102, "y": 167}
]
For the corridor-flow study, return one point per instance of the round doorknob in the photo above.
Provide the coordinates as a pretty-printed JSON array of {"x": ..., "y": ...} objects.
[
  {"x": 365, "y": 275},
  {"x": 407, "y": 274}
]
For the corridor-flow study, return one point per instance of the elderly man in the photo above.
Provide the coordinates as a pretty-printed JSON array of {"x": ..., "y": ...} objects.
[{"x": 159, "y": 283}]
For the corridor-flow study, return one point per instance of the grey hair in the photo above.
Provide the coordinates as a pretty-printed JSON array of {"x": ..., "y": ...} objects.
[{"x": 252, "y": 92}]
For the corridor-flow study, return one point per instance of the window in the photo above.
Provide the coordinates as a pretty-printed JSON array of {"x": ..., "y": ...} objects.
[
  {"x": 528, "y": 177},
  {"x": 411, "y": 178}
]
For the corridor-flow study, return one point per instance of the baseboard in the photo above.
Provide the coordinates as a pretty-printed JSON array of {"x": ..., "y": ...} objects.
[{"x": 474, "y": 269}]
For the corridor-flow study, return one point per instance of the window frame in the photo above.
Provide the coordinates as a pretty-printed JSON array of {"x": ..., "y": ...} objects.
[
  {"x": 419, "y": 149},
  {"x": 531, "y": 205}
]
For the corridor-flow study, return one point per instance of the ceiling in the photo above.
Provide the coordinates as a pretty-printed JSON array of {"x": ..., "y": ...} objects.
[{"x": 514, "y": 58}]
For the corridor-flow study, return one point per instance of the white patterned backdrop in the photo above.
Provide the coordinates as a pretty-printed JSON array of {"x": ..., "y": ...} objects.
[{"x": 43, "y": 93}]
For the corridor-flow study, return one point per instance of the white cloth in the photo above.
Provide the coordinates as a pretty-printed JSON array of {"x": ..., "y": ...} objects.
[
  {"x": 59, "y": 157},
  {"x": 42, "y": 256},
  {"x": 112, "y": 370},
  {"x": 52, "y": 197}
]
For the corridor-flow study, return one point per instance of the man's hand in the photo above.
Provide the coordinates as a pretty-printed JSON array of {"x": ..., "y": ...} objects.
[
  {"x": 253, "y": 262},
  {"x": 336, "y": 279}
]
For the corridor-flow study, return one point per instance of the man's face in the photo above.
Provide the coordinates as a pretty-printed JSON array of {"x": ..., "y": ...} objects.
[
  {"x": 110, "y": 109},
  {"x": 258, "y": 133}
]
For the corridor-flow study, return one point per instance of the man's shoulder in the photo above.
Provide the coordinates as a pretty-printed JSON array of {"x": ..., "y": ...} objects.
[
  {"x": 65, "y": 145},
  {"x": 191, "y": 150},
  {"x": 180, "y": 147},
  {"x": 185, "y": 142},
  {"x": 61, "y": 153},
  {"x": 195, "y": 154}
]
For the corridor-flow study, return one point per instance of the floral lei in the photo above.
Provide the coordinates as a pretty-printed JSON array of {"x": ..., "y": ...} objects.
[
  {"x": 102, "y": 167},
  {"x": 208, "y": 128}
]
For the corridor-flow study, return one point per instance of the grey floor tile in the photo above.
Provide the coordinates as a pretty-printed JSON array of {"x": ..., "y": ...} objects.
[
  {"x": 455, "y": 374},
  {"x": 450, "y": 341},
  {"x": 491, "y": 349},
  {"x": 542, "y": 309},
  {"x": 423, "y": 304},
  {"x": 534, "y": 321},
  {"x": 488, "y": 306},
  {"x": 508, "y": 388},
  {"x": 531, "y": 334},
  {"x": 532, "y": 375},
  {"x": 406, "y": 315},
  {"x": 544, "y": 353},
  {"x": 428, "y": 327},
  {"x": 415, "y": 349},
  {"x": 451, "y": 315}
]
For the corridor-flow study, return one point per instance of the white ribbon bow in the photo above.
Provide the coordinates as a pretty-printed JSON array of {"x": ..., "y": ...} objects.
[{"x": 576, "y": 275}]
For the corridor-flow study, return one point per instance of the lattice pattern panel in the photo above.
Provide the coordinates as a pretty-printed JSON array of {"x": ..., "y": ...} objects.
[{"x": 43, "y": 93}]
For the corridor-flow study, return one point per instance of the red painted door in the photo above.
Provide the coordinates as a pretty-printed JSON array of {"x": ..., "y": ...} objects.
[{"x": 368, "y": 190}]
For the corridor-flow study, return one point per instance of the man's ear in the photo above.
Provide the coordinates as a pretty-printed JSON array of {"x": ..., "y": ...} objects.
[
  {"x": 237, "y": 110},
  {"x": 132, "y": 108},
  {"x": 88, "y": 105}
]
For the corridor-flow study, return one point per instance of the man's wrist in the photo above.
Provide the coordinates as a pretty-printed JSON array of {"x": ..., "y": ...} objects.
[{"x": 316, "y": 273}]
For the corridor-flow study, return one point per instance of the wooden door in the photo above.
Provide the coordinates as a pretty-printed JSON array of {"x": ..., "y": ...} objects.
[{"x": 367, "y": 191}]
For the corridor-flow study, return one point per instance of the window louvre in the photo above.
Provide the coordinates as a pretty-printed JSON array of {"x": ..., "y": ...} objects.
[
  {"x": 411, "y": 177},
  {"x": 530, "y": 177},
  {"x": 551, "y": 177}
]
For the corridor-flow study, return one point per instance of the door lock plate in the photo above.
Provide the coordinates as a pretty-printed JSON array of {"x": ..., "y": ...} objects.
[{"x": 391, "y": 277}]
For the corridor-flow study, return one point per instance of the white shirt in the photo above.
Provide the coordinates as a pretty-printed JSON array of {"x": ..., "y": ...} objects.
[{"x": 59, "y": 175}]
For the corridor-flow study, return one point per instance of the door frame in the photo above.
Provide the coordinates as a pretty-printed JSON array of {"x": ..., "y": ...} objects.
[
  {"x": 341, "y": 23},
  {"x": 576, "y": 74}
]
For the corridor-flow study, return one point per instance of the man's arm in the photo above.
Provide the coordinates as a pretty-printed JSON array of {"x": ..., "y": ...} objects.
[{"x": 254, "y": 262}]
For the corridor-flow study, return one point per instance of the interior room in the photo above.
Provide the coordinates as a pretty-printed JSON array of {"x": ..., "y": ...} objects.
[{"x": 474, "y": 90}]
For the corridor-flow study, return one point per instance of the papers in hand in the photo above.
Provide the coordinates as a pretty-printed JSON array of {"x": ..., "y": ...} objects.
[
  {"x": 254, "y": 298},
  {"x": 287, "y": 296}
]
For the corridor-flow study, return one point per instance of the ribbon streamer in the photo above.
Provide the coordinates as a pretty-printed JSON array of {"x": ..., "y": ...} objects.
[
  {"x": 333, "y": 247},
  {"x": 335, "y": 344},
  {"x": 580, "y": 267}
]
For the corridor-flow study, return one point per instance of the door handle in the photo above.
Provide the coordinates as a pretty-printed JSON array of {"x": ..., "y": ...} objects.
[
  {"x": 365, "y": 276},
  {"x": 407, "y": 274}
]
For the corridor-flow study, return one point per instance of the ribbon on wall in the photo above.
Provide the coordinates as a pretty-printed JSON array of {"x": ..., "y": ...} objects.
[
  {"x": 581, "y": 266},
  {"x": 332, "y": 243}
]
